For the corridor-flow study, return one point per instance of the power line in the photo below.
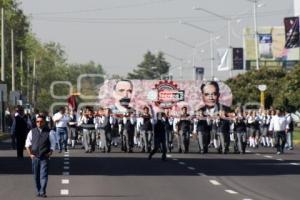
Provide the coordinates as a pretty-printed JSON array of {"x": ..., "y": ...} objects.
[{"x": 104, "y": 9}]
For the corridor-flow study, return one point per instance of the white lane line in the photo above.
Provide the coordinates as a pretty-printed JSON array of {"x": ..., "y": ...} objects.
[
  {"x": 279, "y": 159},
  {"x": 268, "y": 156},
  {"x": 247, "y": 199},
  {"x": 65, "y": 181},
  {"x": 182, "y": 163},
  {"x": 66, "y": 173},
  {"x": 66, "y": 158},
  {"x": 169, "y": 156},
  {"x": 66, "y": 163},
  {"x": 66, "y": 167},
  {"x": 231, "y": 192},
  {"x": 64, "y": 192},
  {"x": 202, "y": 174},
  {"x": 294, "y": 163},
  {"x": 175, "y": 159},
  {"x": 258, "y": 154},
  {"x": 214, "y": 182},
  {"x": 191, "y": 168},
  {"x": 66, "y": 155}
]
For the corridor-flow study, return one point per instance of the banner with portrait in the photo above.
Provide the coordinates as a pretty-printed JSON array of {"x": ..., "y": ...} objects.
[{"x": 159, "y": 94}]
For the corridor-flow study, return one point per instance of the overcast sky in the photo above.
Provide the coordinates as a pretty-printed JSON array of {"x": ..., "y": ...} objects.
[{"x": 117, "y": 33}]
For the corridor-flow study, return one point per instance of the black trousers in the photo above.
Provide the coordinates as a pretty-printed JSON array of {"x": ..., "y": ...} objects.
[
  {"x": 280, "y": 140},
  {"x": 20, "y": 146}
]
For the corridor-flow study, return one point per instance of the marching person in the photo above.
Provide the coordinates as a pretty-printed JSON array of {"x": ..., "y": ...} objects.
[
  {"x": 40, "y": 144},
  {"x": 241, "y": 132},
  {"x": 146, "y": 130},
  {"x": 159, "y": 137},
  {"x": 88, "y": 127},
  {"x": 61, "y": 120},
  {"x": 279, "y": 125},
  {"x": 19, "y": 130},
  {"x": 201, "y": 129},
  {"x": 184, "y": 129}
]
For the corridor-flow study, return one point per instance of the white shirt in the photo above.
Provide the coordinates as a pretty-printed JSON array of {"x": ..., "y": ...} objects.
[
  {"x": 61, "y": 120},
  {"x": 52, "y": 139},
  {"x": 278, "y": 123}
]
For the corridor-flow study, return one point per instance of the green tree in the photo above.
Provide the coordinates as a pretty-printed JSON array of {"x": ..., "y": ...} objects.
[{"x": 152, "y": 67}]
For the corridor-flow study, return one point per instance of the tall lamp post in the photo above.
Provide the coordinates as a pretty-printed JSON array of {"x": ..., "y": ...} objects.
[
  {"x": 211, "y": 36},
  {"x": 181, "y": 59},
  {"x": 228, "y": 20}
]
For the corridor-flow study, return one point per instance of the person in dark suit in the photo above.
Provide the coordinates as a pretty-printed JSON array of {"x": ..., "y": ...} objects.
[
  {"x": 20, "y": 130},
  {"x": 159, "y": 137}
]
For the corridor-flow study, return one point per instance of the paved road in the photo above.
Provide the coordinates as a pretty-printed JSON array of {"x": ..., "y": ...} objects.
[{"x": 258, "y": 175}]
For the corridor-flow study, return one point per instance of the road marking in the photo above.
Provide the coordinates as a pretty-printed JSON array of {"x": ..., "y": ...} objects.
[
  {"x": 175, "y": 159},
  {"x": 247, "y": 199},
  {"x": 66, "y": 167},
  {"x": 214, "y": 182},
  {"x": 231, "y": 192},
  {"x": 294, "y": 163},
  {"x": 66, "y": 163},
  {"x": 268, "y": 156},
  {"x": 258, "y": 154},
  {"x": 201, "y": 174},
  {"x": 66, "y": 155},
  {"x": 169, "y": 156},
  {"x": 66, "y": 173},
  {"x": 64, "y": 192},
  {"x": 65, "y": 181},
  {"x": 66, "y": 158},
  {"x": 181, "y": 163},
  {"x": 247, "y": 151},
  {"x": 191, "y": 168},
  {"x": 279, "y": 159}
]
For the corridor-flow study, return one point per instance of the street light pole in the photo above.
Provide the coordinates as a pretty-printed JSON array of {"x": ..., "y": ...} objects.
[
  {"x": 255, "y": 33},
  {"x": 228, "y": 19},
  {"x": 211, "y": 36}
]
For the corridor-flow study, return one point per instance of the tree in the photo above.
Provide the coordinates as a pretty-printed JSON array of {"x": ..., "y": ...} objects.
[{"x": 152, "y": 67}]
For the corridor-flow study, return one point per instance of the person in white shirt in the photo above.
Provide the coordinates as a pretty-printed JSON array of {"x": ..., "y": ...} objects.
[
  {"x": 279, "y": 125},
  {"x": 61, "y": 120}
]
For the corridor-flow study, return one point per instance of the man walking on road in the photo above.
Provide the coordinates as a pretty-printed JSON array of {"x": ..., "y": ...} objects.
[
  {"x": 19, "y": 130},
  {"x": 280, "y": 127},
  {"x": 40, "y": 144}
]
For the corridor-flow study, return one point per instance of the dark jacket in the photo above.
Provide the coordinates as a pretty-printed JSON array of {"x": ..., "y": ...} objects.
[{"x": 40, "y": 142}]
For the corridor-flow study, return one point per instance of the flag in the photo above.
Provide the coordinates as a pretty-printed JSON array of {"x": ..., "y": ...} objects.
[
  {"x": 237, "y": 59},
  {"x": 223, "y": 64},
  {"x": 72, "y": 102},
  {"x": 291, "y": 25}
]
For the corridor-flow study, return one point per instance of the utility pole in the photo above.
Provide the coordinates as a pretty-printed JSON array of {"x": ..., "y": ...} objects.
[
  {"x": 27, "y": 84},
  {"x": 13, "y": 88},
  {"x": 33, "y": 83},
  {"x": 255, "y": 33},
  {"x": 21, "y": 71},
  {"x": 2, "y": 46}
]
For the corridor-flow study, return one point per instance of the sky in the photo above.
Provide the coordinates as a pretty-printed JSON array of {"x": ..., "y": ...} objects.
[{"x": 117, "y": 33}]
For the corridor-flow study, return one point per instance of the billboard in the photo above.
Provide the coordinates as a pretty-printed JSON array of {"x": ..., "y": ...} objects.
[{"x": 271, "y": 47}]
